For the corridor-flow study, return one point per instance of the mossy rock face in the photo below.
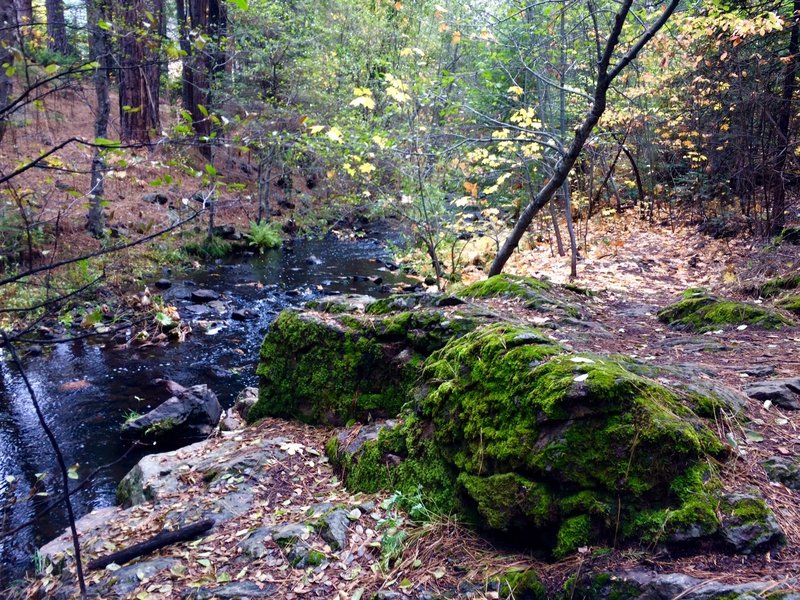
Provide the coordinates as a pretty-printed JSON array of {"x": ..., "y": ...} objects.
[
  {"x": 774, "y": 287},
  {"x": 790, "y": 303},
  {"x": 526, "y": 288},
  {"x": 338, "y": 366},
  {"x": 524, "y": 438},
  {"x": 699, "y": 311}
]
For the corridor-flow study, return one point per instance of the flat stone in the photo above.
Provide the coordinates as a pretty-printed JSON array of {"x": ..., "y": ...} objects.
[
  {"x": 759, "y": 371},
  {"x": 163, "y": 284},
  {"x": 243, "y": 314},
  {"x": 782, "y": 392},
  {"x": 255, "y": 545},
  {"x": 197, "y": 310},
  {"x": 204, "y": 295},
  {"x": 130, "y": 577},
  {"x": 639, "y": 583},
  {"x": 238, "y": 589}
]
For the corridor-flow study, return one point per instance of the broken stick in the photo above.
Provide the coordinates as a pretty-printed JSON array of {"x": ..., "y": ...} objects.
[{"x": 165, "y": 538}]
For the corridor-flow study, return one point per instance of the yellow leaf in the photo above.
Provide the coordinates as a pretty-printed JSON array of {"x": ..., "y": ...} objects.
[
  {"x": 334, "y": 134},
  {"x": 398, "y": 5},
  {"x": 364, "y": 101},
  {"x": 515, "y": 90},
  {"x": 443, "y": 27},
  {"x": 316, "y": 129},
  {"x": 472, "y": 188},
  {"x": 456, "y": 37},
  {"x": 366, "y": 168},
  {"x": 406, "y": 52}
]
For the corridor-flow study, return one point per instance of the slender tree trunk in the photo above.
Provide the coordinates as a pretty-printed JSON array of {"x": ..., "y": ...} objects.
[
  {"x": 605, "y": 76},
  {"x": 24, "y": 11},
  {"x": 139, "y": 70},
  {"x": 7, "y": 42},
  {"x": 197, "y": 64},
  {"x": 57, "y": 27},
  {"x": 778, "y": 219},
  {"x": 100, "y": 49}
]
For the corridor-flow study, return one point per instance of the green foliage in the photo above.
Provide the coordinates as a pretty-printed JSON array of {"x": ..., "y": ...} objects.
[
  {"x": 211, "y": 247},
  {"x": 265, "y": 236}
]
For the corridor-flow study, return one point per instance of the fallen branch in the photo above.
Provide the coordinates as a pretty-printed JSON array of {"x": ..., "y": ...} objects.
[{"x": 165, "y": 538}]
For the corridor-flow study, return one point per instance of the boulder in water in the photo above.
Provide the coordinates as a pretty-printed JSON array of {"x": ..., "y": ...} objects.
[{"x": 190, "y": 415}]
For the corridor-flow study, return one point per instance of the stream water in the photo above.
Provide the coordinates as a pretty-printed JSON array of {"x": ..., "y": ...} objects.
[{"x": 86, "y": 389}]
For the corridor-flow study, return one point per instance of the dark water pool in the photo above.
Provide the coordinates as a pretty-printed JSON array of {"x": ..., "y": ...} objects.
[{"x": 86, "y": 389}]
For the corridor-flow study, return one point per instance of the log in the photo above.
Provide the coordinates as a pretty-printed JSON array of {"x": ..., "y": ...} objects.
[{"x": 165, "y": 538}]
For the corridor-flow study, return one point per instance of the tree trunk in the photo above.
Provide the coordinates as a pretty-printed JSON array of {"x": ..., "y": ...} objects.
[
  {"x": 57, "y": 27},
  {"x": 197, "y": 65},
  {"x": 605, "y": 76},
  {"x": 24, "y": 11},
  {"x": 139, "y": 71},
  {"x": 7, "y": 42},
  {"x": 778, "y": 184},
  {"x": 100, "y": 51}
]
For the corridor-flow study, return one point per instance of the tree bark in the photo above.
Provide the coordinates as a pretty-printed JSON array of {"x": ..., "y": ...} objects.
[
  {"x": 57, "y": 27},
  {"x": 100, "y": 51},
  {"x": 605, "y": 76},
  {"x": 778, "y": 204},
  {"x": 7, "y": 41},
  {"x": 139, "y": 82},
  {"x": 24, "y": 11},
  {"x": 198, "y": 63}
]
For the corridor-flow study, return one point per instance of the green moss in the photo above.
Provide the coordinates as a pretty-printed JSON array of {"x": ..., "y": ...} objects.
[
  {"x": 505, "y": 285},
  {"x": 322, "y": 372},
  {"x": 507, "y": 500},
  {"x": 790, "y": 303},
  {"x": 775, "y": 286},
  {"x": 522, "y": 585},
  {"x": 599, "y": 586},
  {"x": 314, "y": 558},
  {"x": 693, "y": 516},
  {"x": 573, "y": 533},
  {"x": 701, "y": 312}
]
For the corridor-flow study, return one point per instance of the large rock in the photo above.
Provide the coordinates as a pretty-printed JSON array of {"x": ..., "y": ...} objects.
[
  {"x": 527, "y": 439},
  {"x": 782, "y": 392},
  {"x": 337, "y": 366},
  {"x": 699, "y": 311},
  {"x": 190, "y": 415},
  {"x": 159, "y": 475}
]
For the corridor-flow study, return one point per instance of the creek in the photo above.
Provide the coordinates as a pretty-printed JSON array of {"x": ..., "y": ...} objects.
[{"x": 86, "y": 388}]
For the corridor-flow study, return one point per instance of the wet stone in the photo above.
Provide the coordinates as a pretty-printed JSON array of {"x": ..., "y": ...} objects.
[
  {"x": 204, "y": 295},
  {"x": 163, "y": 284}
]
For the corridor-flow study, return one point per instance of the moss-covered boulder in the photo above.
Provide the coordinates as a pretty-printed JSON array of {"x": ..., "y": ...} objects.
[
  {"x": 336, "y": 364},
  {"x": 790, "y": 303},
  {"x": 776, "y": 286},
  {"x": 699, "y": 311},
  {"x": 524, "y": 438},
  {"x": 538, "y": 294}
]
